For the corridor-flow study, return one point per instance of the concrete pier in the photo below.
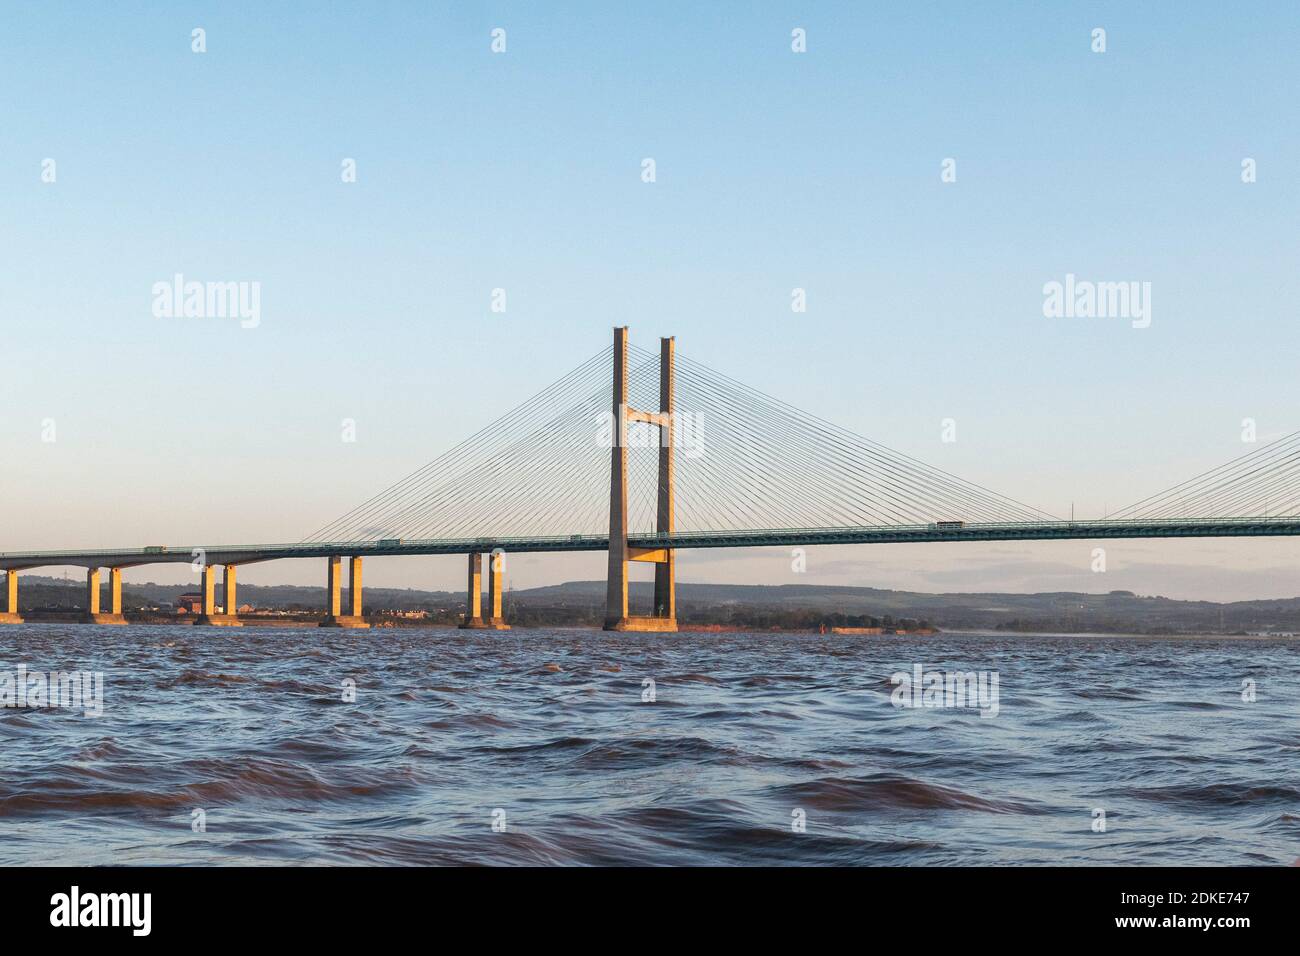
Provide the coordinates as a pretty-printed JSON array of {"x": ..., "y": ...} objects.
[
  {"x": 495, "y": 619},
  {"x": 334, "y": 616},
  {"x": 646, "y": 623},
  {"x": 474, "y": 595},
  {"x": 209, "y": 616},
  {"x": 9, "y": 607},
  {"x": 93, "y": 614}
]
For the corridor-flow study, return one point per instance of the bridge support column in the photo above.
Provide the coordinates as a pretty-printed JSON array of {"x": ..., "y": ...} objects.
[
  {"x": 616, "y": 578},
  {"x": 665, "y": 607},
  {"x": 616, "y": 602},
  {"x": 474, "y": 595},
  {"x": 114, "y": 615},
  {"x": 230, "y": 595},
  {"x": 496, "y": 580},
  {"x": 9, "y": 608},
  {"x": 207, "y": 595},
  {"x": 230, "y": 591},
  {"x": 115, "y": 591},
  {"x": 354, "y": 618}
]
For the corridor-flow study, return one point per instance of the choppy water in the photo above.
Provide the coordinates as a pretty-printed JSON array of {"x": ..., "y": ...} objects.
[{"x": 550, "y": 727}]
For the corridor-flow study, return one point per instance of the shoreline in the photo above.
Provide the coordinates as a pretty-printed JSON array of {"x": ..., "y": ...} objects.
[{"x": 382, "y": 624}]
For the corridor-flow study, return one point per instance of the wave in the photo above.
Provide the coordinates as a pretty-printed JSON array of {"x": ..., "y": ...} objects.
[
  {"x": 1216, "y": 795},
  {"x": 445, "y": 730},
  {"x": 891, "y": 792}
]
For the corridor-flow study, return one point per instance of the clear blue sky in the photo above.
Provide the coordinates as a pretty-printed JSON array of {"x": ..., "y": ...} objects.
[{"x": 522, "y": 170}]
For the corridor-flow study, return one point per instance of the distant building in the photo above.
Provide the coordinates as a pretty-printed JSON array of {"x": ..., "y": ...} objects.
[{"x": 191, "y": 603}]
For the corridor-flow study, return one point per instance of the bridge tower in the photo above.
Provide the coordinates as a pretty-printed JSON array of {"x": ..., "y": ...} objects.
[{"x": 664, "y": 617}]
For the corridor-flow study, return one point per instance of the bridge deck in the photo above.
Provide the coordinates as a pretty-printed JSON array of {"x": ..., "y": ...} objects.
[{"x": 797, "y": 537}]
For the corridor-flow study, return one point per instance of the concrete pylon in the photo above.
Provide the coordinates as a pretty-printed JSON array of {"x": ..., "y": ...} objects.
[
  {"x": 114, "y": 615},
  {"x": 665, "y": 601},
  {"x": 494, "y": 614},
  {"x": 230, "y": 594},
  {"x": 230, "y": 591},
  {"x": 356, "y": 606},
  {"x": 616, "y": 578},
  {"x": 334, "y": 616},
  {"x": 474, "y": 595},
  {"x": 665, "y": 606},
  {"x": 230, "y": 587},
  {"x": 9, "y": 606}
]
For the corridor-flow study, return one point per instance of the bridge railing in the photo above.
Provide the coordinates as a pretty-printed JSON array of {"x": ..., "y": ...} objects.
[
  {"x": 339, "y": 547},
  {"x": 590, "y": 541},
  {"x": 982, "y": 526}
]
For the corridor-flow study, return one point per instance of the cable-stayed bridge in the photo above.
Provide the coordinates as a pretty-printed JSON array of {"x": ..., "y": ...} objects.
[{"x": 642, "y": 453}]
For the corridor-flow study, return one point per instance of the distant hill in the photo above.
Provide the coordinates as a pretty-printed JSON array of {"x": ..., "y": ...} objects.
[
  {"x": 786, "y": 605},
  {"x": 1116, "y": 611}
]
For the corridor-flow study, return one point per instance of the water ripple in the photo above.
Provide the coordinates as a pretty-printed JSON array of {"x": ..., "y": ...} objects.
[{"x": 438, "y": 746}]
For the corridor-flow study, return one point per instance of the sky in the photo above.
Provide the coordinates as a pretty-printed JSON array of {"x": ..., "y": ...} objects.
[{"x": 522, "y": 170}]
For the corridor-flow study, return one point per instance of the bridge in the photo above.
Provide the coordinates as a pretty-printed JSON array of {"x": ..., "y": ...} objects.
[{"x": 640, "y": 454}]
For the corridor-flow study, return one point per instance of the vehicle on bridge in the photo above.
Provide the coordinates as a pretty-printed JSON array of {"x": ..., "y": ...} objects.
[{"x": 946, "y": 525}]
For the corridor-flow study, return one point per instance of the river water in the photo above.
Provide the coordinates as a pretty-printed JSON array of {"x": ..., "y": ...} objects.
[{"x": 545, "y": 747}]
